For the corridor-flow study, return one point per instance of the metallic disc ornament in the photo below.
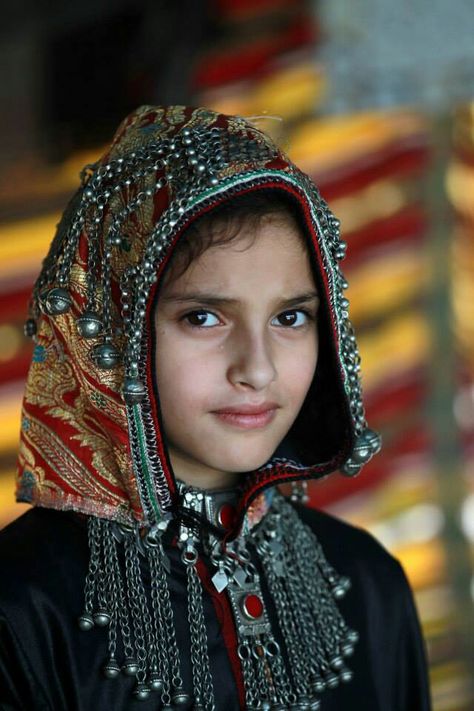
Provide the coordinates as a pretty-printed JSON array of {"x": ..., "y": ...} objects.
[{"x": 89, "y": 325}]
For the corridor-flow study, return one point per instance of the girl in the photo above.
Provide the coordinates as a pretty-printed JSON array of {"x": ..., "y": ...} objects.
[{"x": 193, "y": 351}]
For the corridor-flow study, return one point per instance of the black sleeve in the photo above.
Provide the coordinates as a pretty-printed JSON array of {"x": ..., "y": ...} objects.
[
  {"x": 19, "y": 690},
  {"x": 413, "y": 681}
]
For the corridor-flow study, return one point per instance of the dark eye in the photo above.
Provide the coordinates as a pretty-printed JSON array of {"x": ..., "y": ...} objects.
[
  {"x": 294, "y": 318},
  {"x": 201, "y": 319}
]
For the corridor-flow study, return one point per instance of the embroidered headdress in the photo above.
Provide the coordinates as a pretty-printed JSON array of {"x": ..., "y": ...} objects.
[{"x": 92, "y": 438}]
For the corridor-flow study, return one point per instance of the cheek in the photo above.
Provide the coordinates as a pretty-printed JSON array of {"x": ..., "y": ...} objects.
[
  {"x": 184, "y": 378},
  {"x": 299, "y": 372}
]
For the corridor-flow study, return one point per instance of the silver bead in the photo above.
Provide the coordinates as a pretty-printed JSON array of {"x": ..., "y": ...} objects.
[
  {"x": 57, "y": 301},
  {"x": 332, "y": 680},
  {"x": 347, "y": 649},
  {"x": 29, "y": 328},
  {"x": 350, "y": 468},
  {"x": 336, "y": 662},
  {"x": 89, "y": 324},
  {"x": 105, "y": 356},
  {"x": 317, "y": 684},
  {"x": 341, "y": 250},
  {"x": 352, "y": 636},
  {"x": 133, "y": 391},
  {"x": 345, "y": 674}
]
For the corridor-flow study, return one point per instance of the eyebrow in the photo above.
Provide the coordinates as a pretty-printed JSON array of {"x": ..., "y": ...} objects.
[{"x": 215, "y": 300}]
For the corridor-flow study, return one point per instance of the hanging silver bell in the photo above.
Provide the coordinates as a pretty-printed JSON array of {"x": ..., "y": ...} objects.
[
  {"x": 374, "y": 440},
  {"x": 105, "y": 356},
  {"x": 101, "y": 618},
  {"x": 130, "y": 666},
  {"x": 362, "y": 451},
  {"x": 133, "y": 391},
  {"x": 56, "y": 301},
  {"x": 180, "y": 698},
  {"x": 141, "y": 692},
  {"x": 155, "y": 681},
  {"x": 86, "y": 622},
  {"x": 111, "y": 669},
  {"x": 350, "y": 468},
  {"x": 89, "y": 324}
]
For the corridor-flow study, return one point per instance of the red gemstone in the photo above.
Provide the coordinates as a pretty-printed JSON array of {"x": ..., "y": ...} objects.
[
  {"x": 226, "y": 515},
  {"x": 252, "y": 606}
]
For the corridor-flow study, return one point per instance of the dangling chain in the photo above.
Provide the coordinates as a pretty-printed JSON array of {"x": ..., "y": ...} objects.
[{"x": 140, "y": 622}]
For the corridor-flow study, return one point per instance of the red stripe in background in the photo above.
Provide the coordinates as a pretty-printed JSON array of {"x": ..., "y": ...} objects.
[
  {"x": 237, "y": 9},
  {"x": 393, "y": 161},
  {"x": 408, "y": 225},
  {"x": 403, "y": 394},
  {"x": 16, "y": 368},
  {"x": 417, "y": 440},
  {"x": 14, "y": 305},
  {"x": 234, "y": 65}
]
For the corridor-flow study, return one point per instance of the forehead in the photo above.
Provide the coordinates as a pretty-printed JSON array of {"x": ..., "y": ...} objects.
[{"x": 273, "y": 252}]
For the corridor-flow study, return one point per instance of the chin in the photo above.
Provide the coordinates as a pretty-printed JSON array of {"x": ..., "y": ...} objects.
[{"x": 242, "y": 462}]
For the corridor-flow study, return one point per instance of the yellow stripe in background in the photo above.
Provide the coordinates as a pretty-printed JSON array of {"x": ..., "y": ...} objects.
[
  {"x": 23, "y": 244},
  {"x": 10, "y": 413},
  {"x": 9, "y": 509}
]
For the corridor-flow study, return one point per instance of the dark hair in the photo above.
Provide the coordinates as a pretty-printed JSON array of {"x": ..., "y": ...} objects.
[{"x": 224, "y": 223}]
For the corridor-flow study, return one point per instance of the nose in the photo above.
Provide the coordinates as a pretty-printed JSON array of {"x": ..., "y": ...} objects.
[{"x": 251, "y": 361}]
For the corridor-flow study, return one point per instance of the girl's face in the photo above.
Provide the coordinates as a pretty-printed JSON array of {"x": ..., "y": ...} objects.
[{"x": 236, "y": 352}]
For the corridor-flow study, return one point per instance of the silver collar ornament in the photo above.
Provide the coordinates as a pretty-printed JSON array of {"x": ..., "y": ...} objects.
[{"x": 286, "y": 663}]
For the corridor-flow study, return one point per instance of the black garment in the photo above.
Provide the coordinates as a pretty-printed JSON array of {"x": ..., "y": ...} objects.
[{"x": 47, "y": 663}]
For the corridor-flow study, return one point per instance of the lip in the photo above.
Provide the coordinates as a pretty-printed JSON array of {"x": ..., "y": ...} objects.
[
  {"x": 248, "y": 417},
  {"x": 247, "y": 409}
]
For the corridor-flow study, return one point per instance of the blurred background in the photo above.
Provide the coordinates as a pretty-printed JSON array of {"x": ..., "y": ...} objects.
[{"x": 373, "y": 100}]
